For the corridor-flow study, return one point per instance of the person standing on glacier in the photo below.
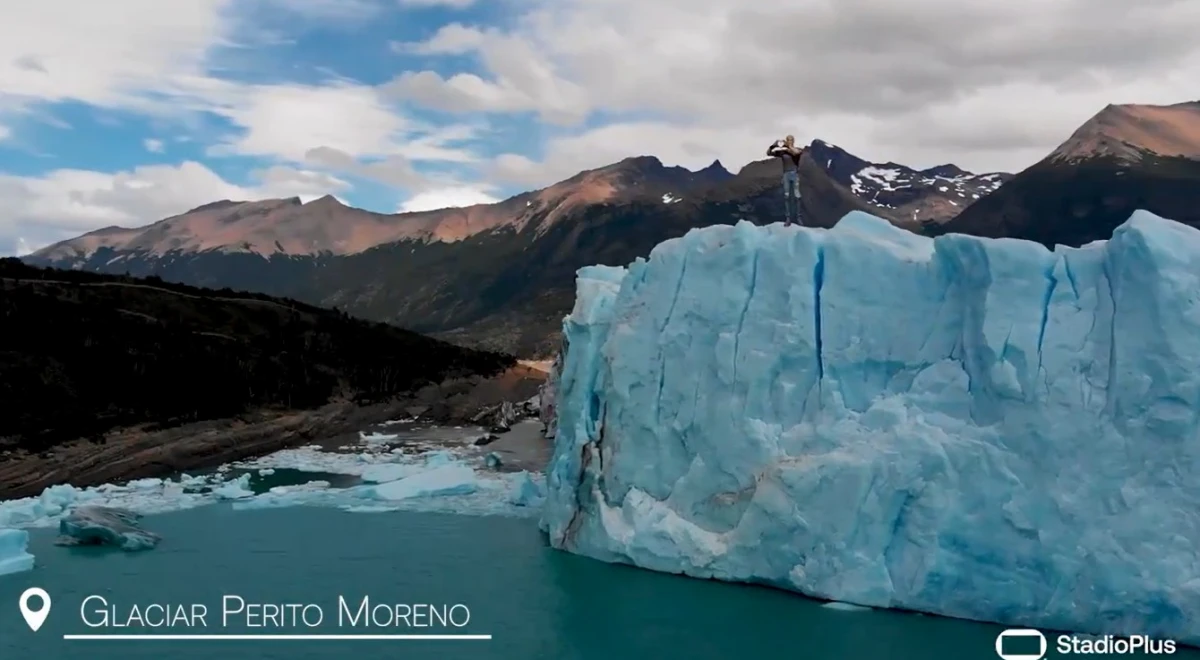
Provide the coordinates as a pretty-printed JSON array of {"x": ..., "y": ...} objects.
[{"x": 789, "y": 154}]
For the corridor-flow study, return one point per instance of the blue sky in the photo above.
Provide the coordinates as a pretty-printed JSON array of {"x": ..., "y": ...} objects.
[{"x": 127, "y": 111}]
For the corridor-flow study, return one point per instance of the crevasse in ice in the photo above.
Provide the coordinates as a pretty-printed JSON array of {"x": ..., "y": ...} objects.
[{"x": 970, "y": 427}]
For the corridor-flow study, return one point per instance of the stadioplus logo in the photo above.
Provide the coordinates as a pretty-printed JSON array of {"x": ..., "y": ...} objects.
[{"x": 1029, "y": 644}]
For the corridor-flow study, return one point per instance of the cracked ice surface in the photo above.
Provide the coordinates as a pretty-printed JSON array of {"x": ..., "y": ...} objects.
[{"x": 969, "y": 427}]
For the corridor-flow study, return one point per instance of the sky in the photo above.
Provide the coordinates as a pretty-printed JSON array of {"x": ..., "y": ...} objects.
[{"x": 124, "y": 112}]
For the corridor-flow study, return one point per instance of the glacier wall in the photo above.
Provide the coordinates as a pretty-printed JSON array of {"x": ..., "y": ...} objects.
[{"x": 971, "y": 427}]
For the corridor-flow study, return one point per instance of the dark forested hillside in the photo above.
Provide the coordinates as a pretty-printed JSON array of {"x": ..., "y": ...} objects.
[{"x": 83, "y": 353}]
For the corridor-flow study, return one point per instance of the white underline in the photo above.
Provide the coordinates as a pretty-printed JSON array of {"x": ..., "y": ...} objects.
[{"x": 275, "y": 637}]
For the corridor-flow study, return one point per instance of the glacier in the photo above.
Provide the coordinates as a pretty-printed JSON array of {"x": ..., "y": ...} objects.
[{"x": 977, "y": 428}]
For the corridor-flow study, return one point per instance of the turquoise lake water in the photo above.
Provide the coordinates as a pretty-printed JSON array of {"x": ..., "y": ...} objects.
[{"x": 535, "y": 602}]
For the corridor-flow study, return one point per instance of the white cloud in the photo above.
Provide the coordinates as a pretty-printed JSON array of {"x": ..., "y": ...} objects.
[
  {"x": 867, "y": 73},
  {"x": 450, "y": 39},
  {"x": 325, "y": 10},
  {"x": 523, "y": 78},
  {"x": 453, "y": 4},
  {"x": 5, "y": 133},
  {"x": 23, "y": 248},
  {"x": 288, "y": 120},
  {"x": 443, "y": 198},
  {"x": 280, "y": 181},
  {"x": 103, "y": 53},
  {"x": 157, "y": 59},
  {"x": 154, "y": 58}
]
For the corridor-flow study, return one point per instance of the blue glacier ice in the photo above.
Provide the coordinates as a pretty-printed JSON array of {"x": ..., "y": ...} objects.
[
  {"x": 14, "y": 555},
  {"x": 101, "y": 525},
  {"x": 977, "y": 428},
  {"x": 527, "y": 492}
]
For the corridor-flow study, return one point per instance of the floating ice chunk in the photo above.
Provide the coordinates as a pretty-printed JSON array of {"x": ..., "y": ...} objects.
[
  {"x": 844, "y": 607},
  {"x": 266, "y": 472},
  {"x": 369, "y": 508},
  {"x": 492, "y": 460},
  {"x": 439, "y": 458},
  {"x": 98, "y": 525},
  {"x": 187, "y": 481},
  {"x": 235, "y": 490},
  {"x": 377, "y": 438},
  {"x": 526, "y": 492},
  {"x": 385, "y": 472},
  {"x": 300, "y": 488},
  {"x": 47, "y": 509},
  {"x": 438, "y": 481},
  {"x": 313, "y": 493},
  {"x": 14, "y": 555}
]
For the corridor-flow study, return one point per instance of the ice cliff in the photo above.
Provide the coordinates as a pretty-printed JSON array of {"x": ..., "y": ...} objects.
[{"x": 970, "y": 427}]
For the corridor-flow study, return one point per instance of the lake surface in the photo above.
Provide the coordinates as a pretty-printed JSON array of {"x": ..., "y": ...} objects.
[{"x": 535, "y": 602}]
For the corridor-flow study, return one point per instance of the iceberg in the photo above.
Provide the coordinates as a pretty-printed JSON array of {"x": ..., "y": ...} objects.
[
  {"x": 977, "y": 428},
  {"x": 234, "y": 490},
  {"x": 439, "y": 481},
  {"x": 527, "y": 492},
  {"x": 386, "y": 472},
  {"x": 14, "y": 555},
  {"x": 99, "y": 525}
]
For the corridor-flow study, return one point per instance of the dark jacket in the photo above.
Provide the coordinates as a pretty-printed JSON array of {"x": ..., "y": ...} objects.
[{"x": 789, "y": 159}]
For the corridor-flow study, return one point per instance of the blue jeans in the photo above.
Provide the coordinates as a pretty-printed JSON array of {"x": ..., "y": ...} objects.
[{"x": 791, "y": 196}]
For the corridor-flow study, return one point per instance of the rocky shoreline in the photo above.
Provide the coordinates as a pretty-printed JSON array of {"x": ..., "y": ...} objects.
[{"x": 139, "y": 453}]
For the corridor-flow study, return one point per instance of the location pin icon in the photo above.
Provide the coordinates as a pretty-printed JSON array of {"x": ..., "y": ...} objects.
[{"x": 35, "y": 618}]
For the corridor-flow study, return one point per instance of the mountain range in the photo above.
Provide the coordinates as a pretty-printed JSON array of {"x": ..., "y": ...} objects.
[
  {"x": 501, "y": 276},
  {"x": 1125, "y": 158}
]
